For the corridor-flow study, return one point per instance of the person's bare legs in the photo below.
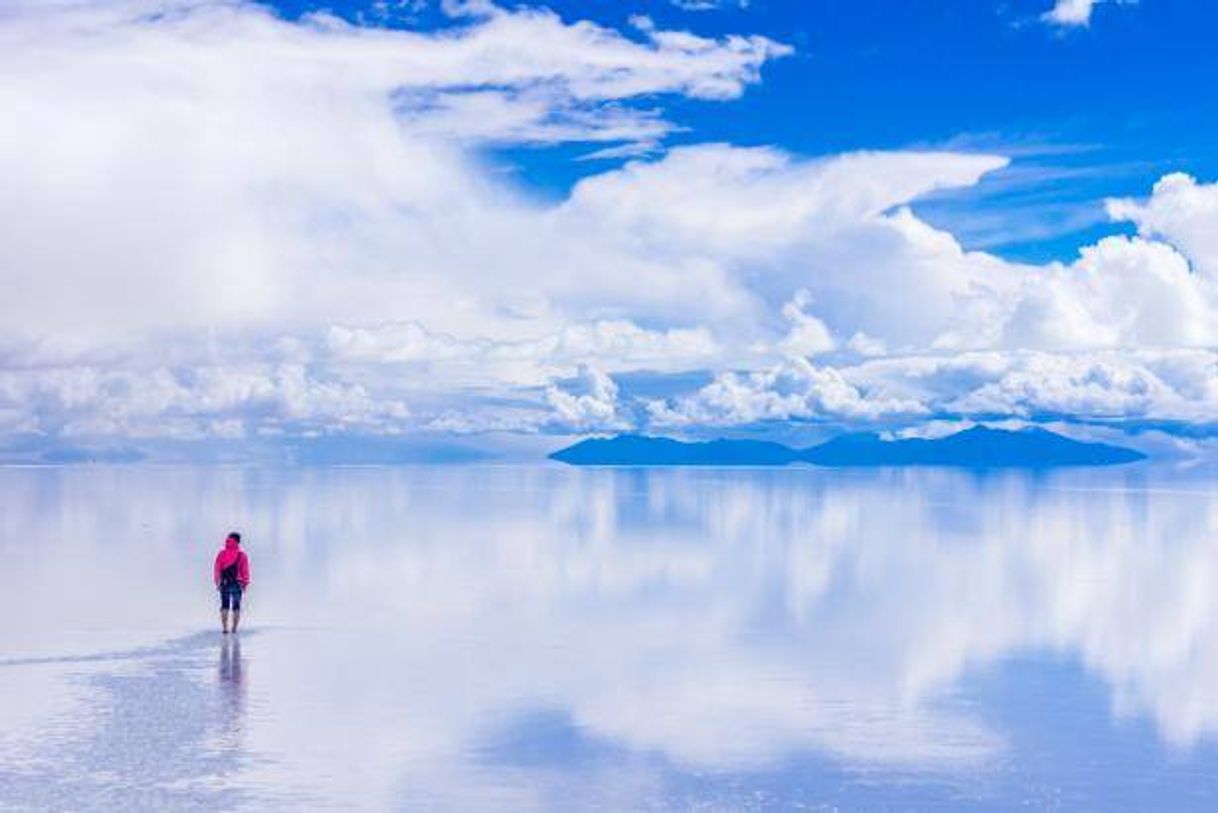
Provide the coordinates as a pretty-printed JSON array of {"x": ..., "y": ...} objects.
[
  {"x": 236, "y": 619},
  {"x": 224, "y": 621}
]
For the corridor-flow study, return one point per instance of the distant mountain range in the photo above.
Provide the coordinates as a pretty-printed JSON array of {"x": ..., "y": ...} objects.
[{"x": 978, "y": 447}]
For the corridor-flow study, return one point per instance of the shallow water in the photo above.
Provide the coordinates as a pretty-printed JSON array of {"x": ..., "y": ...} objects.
[{"x": 554, "y": 638}]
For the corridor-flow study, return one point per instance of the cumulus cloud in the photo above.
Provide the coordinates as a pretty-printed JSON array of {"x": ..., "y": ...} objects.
[
  {"x": 1181, "y": 212},
  {"x": 751, "y": 227},
  {"x": 794, "y": 389},
  {"x": 219, "y": 166},
  {"x": 808, "y": 335},
  {"x": 1098, "y": 386},
  {"x": 205, "y": 186},
  {"x": 196, "y": 402},
  {"x": 833, "y": 241},
  {"x": 593, "y": 406}
]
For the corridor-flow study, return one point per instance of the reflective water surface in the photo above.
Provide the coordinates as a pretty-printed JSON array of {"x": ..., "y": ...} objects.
[{"x": 553, "y": 638}]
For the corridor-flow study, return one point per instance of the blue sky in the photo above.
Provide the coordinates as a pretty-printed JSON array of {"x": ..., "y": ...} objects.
[
  {"x": 435, "y": 222},
  {"x": 1090, "y": 112}
]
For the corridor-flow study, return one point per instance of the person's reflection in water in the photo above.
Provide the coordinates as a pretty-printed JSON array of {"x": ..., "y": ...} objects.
[{"x": 232, "y": 689}]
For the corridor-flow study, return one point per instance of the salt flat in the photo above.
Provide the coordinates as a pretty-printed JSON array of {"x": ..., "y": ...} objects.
[{"x": 543, "y": 637}]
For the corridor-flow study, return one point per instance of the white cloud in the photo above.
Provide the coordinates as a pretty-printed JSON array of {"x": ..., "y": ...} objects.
[
  {"x": 1121, "y": 292},
  {"x": 611, "y": 344},
  {"x": 1070, "y": 12},
  {"x": 750, "y": 227},
  {"x": 1075, "y": 13},
  {"x": 708, "y": 5},
  {"x": 808, "y": 335},
  {"x": 837, "y": 230},
  {"x": 592, "y": 408},
  {"x": 794, "y": 389},
  {"x": 219, "y": 166},
  {"x": 1181, "y": 212},
  {"x": 1169, "y": 385},
  {"x": 1086, "y": 386},
  {"x": 188, "y": 403},
  {"x": 244, "y": 192}
]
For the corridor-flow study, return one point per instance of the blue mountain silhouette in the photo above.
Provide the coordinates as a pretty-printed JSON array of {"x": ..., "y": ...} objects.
[
  {"x": 640, "y": 450},
  {"x": 978, "y": 447}
]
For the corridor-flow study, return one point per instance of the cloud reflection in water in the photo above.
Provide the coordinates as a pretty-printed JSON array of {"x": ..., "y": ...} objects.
[{"x": 505, "y": 636}]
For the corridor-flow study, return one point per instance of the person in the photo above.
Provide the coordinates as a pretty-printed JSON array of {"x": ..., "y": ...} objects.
[{"x": 232, "y": 577}]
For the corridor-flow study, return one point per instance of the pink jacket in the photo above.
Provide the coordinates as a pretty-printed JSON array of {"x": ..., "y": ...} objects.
[{"x": 232, "y": 553}]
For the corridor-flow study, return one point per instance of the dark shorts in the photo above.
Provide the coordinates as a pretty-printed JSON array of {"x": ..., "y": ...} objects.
[{"x": 230, "y": 597}]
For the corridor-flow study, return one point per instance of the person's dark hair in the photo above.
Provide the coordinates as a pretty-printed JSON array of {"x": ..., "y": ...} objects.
[{"x": 235, "y": 536}]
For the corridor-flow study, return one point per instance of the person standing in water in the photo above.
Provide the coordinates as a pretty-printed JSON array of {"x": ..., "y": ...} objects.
[{"x": 232, "y": 576}]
